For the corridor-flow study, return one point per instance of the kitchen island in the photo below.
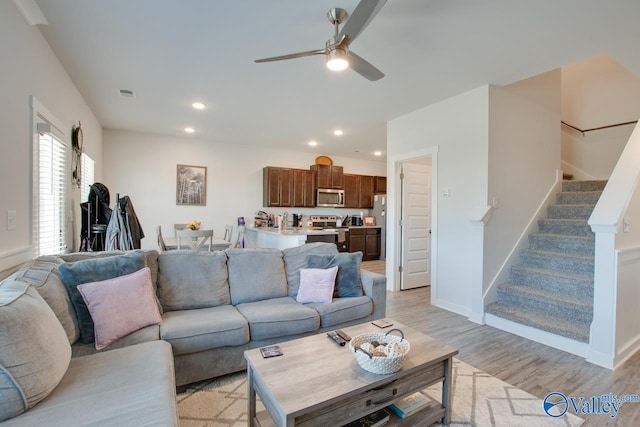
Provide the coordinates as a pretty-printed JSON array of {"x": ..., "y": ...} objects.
[{"x": 283, "y": 238}]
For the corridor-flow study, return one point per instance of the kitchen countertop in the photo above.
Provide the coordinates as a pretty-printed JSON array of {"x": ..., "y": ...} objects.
[{"x": 289, "y": 231}]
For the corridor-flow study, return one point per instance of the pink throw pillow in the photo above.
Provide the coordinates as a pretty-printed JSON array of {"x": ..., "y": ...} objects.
[
  {"x": 121, "y": 306},
  {"x": 316, "y": 284}
]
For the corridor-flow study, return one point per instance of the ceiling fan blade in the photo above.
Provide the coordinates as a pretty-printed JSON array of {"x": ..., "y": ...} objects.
[
  {"x": 294, "y": 55},
  {"x": 363, "y": 67},
  {"x": 364, "y": 12}
]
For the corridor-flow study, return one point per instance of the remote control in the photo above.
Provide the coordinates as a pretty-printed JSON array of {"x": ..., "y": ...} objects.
[
  {"x": 342, "y": 334},
  {"x": 336, "y": 338}
]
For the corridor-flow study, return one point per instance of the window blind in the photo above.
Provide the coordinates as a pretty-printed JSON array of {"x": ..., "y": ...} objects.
[
  {"x": 49, "y": 226},
  {"x": 88, "y": 167}
]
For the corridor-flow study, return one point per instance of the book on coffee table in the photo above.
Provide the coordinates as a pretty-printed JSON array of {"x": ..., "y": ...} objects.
[
  {"x": 271, "y": 351},
  {"x": 374, "y": 419},
  {"x": 410, "y": 405}
]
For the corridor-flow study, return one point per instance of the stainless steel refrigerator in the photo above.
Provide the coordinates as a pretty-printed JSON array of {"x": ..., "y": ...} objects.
[{"x": 379, "y": 211}]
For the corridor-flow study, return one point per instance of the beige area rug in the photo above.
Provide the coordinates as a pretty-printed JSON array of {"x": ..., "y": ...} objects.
[{"x": 478, "y": 400}]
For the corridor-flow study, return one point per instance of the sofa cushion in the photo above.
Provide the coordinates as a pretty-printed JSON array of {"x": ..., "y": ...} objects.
[
  {"x": 150, "y": 260},
  {"x": 120, "y": 306},
  {"x": 343, "y": 310},
  {"x": 256, "y": 274},
  {"x": 316, "y": 285},
  {"x": 148, "y": 334},
  {"x": 188, "y": 280},
  {"x": 34, "y": 348},
  {"x": 43, "y": 274},
  {"x": 131, "y": 386},
  {"x": 278, "y": 317},
  {"x": 93, "y": 270},
  {"x": 348, "y": 282},
  {"x": 190, "y": 331},
  {"x": 296, "y": 258}
]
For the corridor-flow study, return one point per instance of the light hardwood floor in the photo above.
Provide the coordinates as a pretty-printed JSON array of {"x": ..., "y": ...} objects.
[{"x": 525, "y": 364}]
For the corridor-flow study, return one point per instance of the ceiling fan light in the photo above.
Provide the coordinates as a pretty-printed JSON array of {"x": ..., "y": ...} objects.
[{"x": 337, "y": 60}]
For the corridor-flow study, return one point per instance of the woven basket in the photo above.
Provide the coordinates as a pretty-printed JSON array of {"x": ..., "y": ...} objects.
[{"x": 379, "y": 364}]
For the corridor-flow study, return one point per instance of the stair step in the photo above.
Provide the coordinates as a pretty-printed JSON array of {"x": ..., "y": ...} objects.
[
  {"x": 562, "y": 243},
  {"x": 590, "y": 185},
  {"x": 558, "y": 261},
  {"x": 567, "y": 227},
  {"x": 578, "y": 197},
  {"x": 551, "y": 304},
  {"x": 571, "y": 285},
  {"x": 575, "y": 331},
  {"x": 581, "y": 211}
]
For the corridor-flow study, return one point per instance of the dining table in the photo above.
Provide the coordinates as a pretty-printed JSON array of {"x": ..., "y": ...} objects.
[{"x": 216, "y": 244}]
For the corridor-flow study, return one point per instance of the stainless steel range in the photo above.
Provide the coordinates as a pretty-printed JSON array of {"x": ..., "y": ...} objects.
[
  {"x": 332, "y": 223},
  {"x": 324, "y": 221}
]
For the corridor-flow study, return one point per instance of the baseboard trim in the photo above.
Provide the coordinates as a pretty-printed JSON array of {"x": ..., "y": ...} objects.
[
  {"x": 552, "y": 340},
  {"x": 455, "y": 308}
]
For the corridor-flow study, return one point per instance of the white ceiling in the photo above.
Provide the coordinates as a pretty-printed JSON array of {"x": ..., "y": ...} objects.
[{"x": 173, "y": 52}]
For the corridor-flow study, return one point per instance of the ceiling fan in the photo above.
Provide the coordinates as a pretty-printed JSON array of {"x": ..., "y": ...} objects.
[{"x": 339, "y": 57}]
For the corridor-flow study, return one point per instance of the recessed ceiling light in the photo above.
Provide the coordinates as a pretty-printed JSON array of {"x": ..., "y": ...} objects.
[
  {"x": 377, "y": 153},
  {"x": 313, "y": 143},
  {"x": 338, "y": 132},
  {"x": 199, "y": 105},
  {"x": 189, "y": 130}
]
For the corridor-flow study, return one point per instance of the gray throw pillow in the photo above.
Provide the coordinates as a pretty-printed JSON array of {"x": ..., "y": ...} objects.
[
  {"x": 34, "y": 349},
  {"x": 348, "y": 282},
  {"x": 95, "y": 270},
  {"x": 296, "y": 258}
]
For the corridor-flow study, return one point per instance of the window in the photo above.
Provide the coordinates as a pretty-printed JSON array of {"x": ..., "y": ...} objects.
[
  {"x": 50, "y": 221},
  {"x": 50, "y": 175},
  {"x": 88, "y": 167}
]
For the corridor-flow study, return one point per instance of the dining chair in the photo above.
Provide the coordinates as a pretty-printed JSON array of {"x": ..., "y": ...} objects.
[
  {"x": 194, "y": 239},
  {"x": 228, "y": 231},
  {"x": 239, "y": 238},
  {"x": 161, "y": 243}
]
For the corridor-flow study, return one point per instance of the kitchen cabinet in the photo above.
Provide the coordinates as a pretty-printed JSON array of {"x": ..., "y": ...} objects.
[
  {"x": 380, "y": 185},
  {"x": 366, "y": 240},
  {"x": 358, "y": 191},
  {"x": 366, "y": 192},
  {"x": 328, "y": 176},
  {"x": 277, "y": 187},
  {"x": 303, "y": 188},
  {"x": 351, "y": 191}
]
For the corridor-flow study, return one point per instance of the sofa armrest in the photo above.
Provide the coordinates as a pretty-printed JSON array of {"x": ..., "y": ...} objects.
[{"x": 375, "y": 287}]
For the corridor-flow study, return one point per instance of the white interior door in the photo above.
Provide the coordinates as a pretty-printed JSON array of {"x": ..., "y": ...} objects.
[{"x": 416, "y": 224}]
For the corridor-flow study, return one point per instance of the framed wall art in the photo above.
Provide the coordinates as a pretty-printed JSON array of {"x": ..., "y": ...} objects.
[
  {"x": 191, "y": 185},
  {"x": 369, "y": 220}
]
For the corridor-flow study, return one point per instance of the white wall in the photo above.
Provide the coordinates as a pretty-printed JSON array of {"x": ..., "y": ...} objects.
[
  {"x": 143, "y": 166},
  {"x": 524, "y": 156},
  {"x": 597, "y": 92},
  {"x": 28, "y": 68},
  {"x": 458, "y": 128}
]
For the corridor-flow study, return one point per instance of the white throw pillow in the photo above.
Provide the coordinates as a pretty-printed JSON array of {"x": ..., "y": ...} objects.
[
  {"x": 316, "y": 284},
  {"x": 120, "y": 306}
]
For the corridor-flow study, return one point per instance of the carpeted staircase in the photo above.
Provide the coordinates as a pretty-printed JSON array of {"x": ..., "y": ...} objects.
[{"x": 552, "y": 287}]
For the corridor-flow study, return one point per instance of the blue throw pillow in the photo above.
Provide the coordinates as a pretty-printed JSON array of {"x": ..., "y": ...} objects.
[
  {"x": 95, "y": 270},
  {"x": 348, "y": 283}
]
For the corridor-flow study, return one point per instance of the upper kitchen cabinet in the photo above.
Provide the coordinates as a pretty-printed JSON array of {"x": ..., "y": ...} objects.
[
  {"x": 277, "y": 187},
  {"x": 303, "y": 188},
  {"x": 380, "y": 185},
  {"x": 328, "y": 176},
  {"x": 358, "y": 191}
]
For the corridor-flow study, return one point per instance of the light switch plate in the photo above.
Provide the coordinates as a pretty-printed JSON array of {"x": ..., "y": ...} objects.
[{"x": 11, "y": 220}]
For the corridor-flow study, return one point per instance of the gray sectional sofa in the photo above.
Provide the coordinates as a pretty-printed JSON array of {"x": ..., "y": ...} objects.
[{"x": 214, "y": 306}]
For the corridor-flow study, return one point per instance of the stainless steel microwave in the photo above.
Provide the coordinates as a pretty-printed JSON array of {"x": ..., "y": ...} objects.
[{"x": 329, "y": 197}]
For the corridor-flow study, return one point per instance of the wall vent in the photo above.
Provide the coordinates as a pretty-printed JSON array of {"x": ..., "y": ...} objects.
[{"x": 126, "y": 93}]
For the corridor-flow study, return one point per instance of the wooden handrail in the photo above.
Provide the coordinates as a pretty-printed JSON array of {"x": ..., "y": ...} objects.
[{"x": 583, "y": 131}]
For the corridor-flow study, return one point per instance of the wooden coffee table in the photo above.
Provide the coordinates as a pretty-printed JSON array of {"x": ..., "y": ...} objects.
[{"x": 319, "y": 383}]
